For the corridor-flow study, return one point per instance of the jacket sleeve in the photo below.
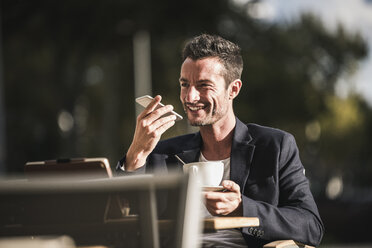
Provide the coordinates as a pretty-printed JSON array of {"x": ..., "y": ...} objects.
[
  {"x": 155, "y": 163},
  {"x": 121, "y": 170},
  {"x": 293, "y": 213}
]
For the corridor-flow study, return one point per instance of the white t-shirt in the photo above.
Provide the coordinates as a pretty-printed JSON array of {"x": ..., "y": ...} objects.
[{"x": 226, "y": 237}]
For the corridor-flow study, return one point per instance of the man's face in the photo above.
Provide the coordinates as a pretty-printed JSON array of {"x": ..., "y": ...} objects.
[{"x": 203, "y": 92}]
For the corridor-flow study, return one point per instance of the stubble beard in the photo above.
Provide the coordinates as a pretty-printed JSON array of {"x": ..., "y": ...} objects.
[{"x": 210, "y": 119}]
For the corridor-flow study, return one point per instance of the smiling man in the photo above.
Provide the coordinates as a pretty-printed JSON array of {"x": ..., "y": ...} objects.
[{"x": 263, "y": 174}]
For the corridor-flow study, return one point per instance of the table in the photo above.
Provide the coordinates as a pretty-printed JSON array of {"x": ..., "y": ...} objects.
[
  {"x": 128, "y": 224},
  {"x": 218, "y": 223}
]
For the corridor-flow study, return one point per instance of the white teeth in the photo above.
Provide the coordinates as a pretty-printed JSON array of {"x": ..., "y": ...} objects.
[{"x": 195, "y": 108}]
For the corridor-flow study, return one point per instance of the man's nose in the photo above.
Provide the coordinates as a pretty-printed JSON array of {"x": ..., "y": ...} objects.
[{"x": 192, "y": 95}]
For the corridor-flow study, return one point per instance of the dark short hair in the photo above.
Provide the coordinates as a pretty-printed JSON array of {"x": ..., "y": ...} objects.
[{"x": 227, "y": 52}]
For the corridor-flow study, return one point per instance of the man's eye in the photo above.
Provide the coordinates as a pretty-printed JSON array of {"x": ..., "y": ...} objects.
[{"x": 184, "y": 84}]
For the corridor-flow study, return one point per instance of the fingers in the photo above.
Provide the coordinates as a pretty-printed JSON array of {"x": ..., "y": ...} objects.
[
  {"x": 231, "y": 208},
  {"x": 152, "y": 105},
  {"x": 231, "y": 186},
  {"x": 216, "y": 210},
  {"x": 224, "y": 203},
  {"x": 157, "y": 127},
  {"x": 219, "y": 196},
  {"x": 163, "y": 125},
  {"x": 151, "y": 124},
  {"x": 152, "y": 121},
  {"x": 223, "y": 206},
  {"x": 154, "y": 112}
]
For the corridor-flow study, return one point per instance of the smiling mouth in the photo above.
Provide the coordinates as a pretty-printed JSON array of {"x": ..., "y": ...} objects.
[{"x": 196, "y": 108}]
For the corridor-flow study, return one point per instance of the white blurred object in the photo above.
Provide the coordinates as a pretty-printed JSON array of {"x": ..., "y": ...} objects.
[
  {"x": 313, "y": 131},
  {"x": 334, "y": 187},
  {"x": 65, "y": 121},
  {"x": 38, "y": 242},
  {"x": 142, "y": 65},
  {"x": 94, "y": 75}
]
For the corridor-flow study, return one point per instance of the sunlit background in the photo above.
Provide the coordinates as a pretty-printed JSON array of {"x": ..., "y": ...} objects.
[{"x": 70, "y": 71}]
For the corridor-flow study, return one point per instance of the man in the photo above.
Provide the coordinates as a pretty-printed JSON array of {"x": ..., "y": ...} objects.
[{"x": 263, "y": 172}]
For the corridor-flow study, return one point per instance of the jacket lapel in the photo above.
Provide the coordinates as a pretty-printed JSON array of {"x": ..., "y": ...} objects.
[
  {"x": 241, "y": 154},
  {"x": 191, "y": 151}
]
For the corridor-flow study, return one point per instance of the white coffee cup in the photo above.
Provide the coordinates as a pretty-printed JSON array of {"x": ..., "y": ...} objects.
[{"x": 210, "y": 173}]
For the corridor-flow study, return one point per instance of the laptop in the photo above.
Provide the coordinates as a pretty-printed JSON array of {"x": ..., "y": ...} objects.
[{"x": 70, "y": 167}]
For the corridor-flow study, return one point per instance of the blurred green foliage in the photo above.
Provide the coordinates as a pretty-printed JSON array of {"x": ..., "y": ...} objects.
[{"x": 76, "y": 57}]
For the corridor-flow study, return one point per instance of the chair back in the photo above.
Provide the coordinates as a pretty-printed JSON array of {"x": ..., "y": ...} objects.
[{"x": 109, "y": 211}]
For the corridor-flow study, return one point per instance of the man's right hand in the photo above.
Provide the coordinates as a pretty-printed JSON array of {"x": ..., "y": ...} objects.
[{"x": 149, "y": 128}]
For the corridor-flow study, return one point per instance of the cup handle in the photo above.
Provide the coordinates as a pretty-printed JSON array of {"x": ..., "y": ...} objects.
[{"x": 194, "y": 170}]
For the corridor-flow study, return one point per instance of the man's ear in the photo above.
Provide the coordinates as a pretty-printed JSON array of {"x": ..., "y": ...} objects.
[{"x": 234, "y": 88}]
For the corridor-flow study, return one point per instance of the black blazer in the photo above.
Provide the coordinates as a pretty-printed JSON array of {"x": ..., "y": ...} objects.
[{"x": 266, "y": 165}]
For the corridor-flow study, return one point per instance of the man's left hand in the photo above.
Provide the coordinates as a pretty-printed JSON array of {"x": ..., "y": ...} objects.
[{"x": 225, "y": 203}]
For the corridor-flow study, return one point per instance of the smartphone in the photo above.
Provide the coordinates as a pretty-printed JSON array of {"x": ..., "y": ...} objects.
[{"x": 145, "y": 100}]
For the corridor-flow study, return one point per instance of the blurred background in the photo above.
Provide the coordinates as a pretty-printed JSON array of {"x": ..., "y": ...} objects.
[{"x": 70, "y": 71}]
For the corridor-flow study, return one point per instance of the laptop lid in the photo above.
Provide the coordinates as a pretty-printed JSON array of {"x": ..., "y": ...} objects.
[{"x": 71, "y": 167}]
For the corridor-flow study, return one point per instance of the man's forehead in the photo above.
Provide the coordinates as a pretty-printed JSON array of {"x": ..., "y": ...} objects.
[{"x": 202, "y": 67}]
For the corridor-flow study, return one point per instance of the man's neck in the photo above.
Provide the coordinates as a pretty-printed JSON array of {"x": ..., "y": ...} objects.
[{"x": 217, "y": 138}]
